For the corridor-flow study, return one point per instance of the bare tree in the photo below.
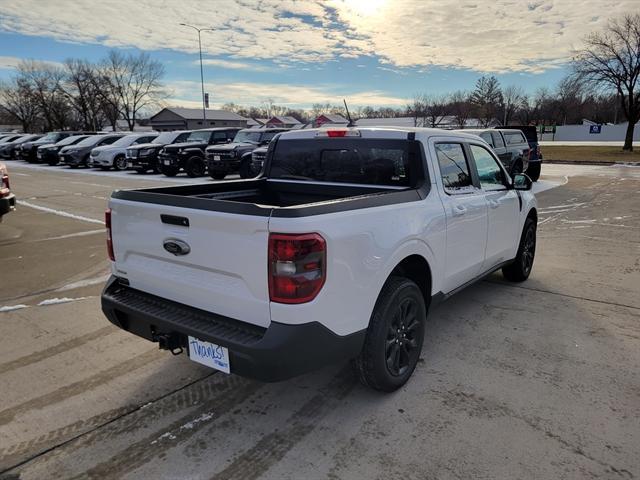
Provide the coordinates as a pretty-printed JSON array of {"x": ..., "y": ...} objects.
[
  {"x": 610, "y": 60},
  {"x": 460, "y": 107},
  {"x": 130, "y": 84},
  {"x": 79, "y": 87},
  {"x": 436, "y": 109},
  {"x": 487, "y": 98},
  {"x": 18, "y": 99},
  {"x": 417, "y": 109},
  {"x": 44, "y": 81},
  {"x": 512, "y": 97}
]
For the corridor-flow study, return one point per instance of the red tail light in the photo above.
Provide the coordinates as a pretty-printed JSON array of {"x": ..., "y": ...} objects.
[
  {"x": 5, "y": 182},
  {"x": 297, "y": 267},
  {"x": 336, "y": 133},
  {"x": 107, "y": 223}
]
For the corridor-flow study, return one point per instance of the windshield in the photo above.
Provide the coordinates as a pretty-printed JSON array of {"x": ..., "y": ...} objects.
[
  {"x": 125, "y": 141},
  {"x": 87, "y": 142},
  {"x": 201, "y": 136},
  {"x": 165, "y": 138},
  {"x": 27, "y": 138},
  {"x": 71, "y": 140},
  {"x": 247, "y": 137},
  {"x": 363, "y": 161},
  {"x": 50, "y": 137}
]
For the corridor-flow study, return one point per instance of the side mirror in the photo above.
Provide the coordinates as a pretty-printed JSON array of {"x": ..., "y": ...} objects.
[{"x": 522, "y": 182}]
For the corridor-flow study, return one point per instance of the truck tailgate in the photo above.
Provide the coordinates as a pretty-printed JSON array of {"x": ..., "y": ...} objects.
[{"x": 225, "y": 271}]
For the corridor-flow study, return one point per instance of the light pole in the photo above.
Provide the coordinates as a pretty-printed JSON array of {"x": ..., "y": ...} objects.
[{"x": 204, "y": 112}]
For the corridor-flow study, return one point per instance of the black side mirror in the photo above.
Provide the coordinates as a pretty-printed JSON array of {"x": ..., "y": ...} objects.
[{"x": 522, "y": 182}]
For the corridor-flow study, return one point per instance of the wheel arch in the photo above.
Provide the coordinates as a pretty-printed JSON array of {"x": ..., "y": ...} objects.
[{"x": 417, "y": 269}]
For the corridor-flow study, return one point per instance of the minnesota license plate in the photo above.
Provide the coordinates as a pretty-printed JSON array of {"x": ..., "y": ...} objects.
[
  {"x": 129, "y": 164},
  {"x": 209, "y": 354},
  {"x": 216, "y": 158},
  {"x": 167, "y": 162}
]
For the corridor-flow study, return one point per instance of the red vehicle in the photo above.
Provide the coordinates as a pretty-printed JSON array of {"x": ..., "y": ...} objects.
[{"x": 7, "y": 199}]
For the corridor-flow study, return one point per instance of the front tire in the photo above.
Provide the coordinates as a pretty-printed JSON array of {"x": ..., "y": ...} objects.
[
  {"x": 120, "y": 163},
  {"x": 393, "y": 342},
  {"x": 217, "y": 175},
  {"x": 194, "y": 167},
  {"x": 169, "y": 171},
  {"x": 520, "y": 269}
]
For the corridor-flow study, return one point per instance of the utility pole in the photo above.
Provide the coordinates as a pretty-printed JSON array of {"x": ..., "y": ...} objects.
[{"x": 204, "y": 111}]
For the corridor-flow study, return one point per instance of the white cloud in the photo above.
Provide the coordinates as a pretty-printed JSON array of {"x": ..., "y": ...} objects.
[
  {"x": 218, "y": 62},
  {"x": 187, "y": 94},
  {"x": 9, "y": 63},
  {"x": 483, "y": 35}
]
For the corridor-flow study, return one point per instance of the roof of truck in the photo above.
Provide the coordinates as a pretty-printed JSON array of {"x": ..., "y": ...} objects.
[{"x": 385, "y": 132}]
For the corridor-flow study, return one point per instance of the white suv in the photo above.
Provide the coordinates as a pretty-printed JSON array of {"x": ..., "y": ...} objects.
[{"x": 113, "y": 155}]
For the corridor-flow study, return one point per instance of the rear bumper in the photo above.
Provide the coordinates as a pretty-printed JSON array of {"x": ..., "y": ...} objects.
[
  {"x": 7, "y": 204},
  {"x": 268, "y": 354}
]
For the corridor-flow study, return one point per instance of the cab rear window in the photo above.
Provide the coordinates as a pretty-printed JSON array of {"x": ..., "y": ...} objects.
[{"x": 347, "y": 160}]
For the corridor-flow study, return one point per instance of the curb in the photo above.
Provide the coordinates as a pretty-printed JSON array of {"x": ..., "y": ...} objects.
[{"x": 584, "y": 162}]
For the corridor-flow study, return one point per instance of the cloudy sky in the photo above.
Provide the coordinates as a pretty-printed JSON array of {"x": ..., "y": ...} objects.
[{"x": 297, "y": 52}]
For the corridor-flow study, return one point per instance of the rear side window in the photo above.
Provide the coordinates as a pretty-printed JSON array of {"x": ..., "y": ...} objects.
[
  {"x": 219, "y": 136},
  {"x": 454, "y": 168},
  {"x": 363, "y": 161},
  {"x": 486, "y": 136},
  {"x": 109, "y": 140},
  {"x": 514, "y": 138},
  {"x": 497, "y": 140},
  {"x": 181, "y": 138}
]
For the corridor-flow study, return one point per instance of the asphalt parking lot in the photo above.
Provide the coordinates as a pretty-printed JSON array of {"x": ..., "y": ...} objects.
[{"x": 535, "y": 380}]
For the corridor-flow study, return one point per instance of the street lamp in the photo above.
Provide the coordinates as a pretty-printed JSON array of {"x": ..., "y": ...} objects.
[{"x": 204, "y": 112}]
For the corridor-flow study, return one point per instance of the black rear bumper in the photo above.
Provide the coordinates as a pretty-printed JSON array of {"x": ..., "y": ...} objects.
[
  {"x": 7, "y": 204},
  {"x": 268, "y": 354}
]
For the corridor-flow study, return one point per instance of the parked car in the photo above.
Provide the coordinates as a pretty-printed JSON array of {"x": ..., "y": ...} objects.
[
  {"x": 258, "y": 157},
  {"x": 189, "y": 155},
  {"x": 336, "y": 252},
  {"x": 144, "y": 157},
  {"x": 114, "y": 154},
  {"x": 7, "y": 199},
  {"x": 8, "y": 149},
  {"x": 223, "y": 160},
  {"x": 28, "y": 151},
  {"x": 535, "y": 156},
  {"x": 9, "y": 137},
  {"x": 49, "y": 153},
  {"x": 511, "y": 146},
  {"x": 78, "y": 154}
]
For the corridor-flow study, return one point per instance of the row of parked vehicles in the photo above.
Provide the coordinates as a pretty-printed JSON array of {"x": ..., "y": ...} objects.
[{"x": 217, "y": 152}]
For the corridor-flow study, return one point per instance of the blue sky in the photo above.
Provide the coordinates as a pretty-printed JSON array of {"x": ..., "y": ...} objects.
[{"x": 376, "y": 52}]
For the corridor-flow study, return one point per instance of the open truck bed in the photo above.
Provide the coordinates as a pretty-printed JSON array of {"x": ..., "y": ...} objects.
[{"x": 269, "y": 197}]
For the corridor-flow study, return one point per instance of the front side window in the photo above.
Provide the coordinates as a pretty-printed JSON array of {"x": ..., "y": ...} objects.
[
  {"x": 454, "y": 168},
  {"x": 489, "y": 172},
  {"x": 497, "y": 140},
  {"x": 218, "y": 136},
  {"x": 486, "y": 136}
]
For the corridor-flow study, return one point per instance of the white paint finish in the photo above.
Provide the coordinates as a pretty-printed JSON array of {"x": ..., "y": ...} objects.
[
  {"x": 225, "y": 272},
  {"x": 502, "y": 237}
]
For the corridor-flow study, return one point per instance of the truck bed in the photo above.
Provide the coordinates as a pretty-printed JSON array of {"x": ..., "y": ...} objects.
[{"x": 272, "y": 197}]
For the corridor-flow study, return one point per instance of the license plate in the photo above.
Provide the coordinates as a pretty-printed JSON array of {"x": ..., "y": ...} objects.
[
  {"x": 209, "y": 354},
  {"x": 167, "y": 162},
  {"x": 129, "y": 164},
  {"x": 216, "y": 158}
]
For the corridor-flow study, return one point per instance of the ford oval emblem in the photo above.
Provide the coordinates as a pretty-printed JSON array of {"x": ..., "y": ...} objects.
[{"x": 176, "y": 247}]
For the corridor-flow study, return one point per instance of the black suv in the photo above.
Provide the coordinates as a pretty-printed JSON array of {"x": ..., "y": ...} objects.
[
  {"x": 49, "y": 153},
  {"x": 144, "y": 157},
  {"x": 510, "y": 146},
  {"x": 189, "y": 155},
  {"x": 236, "y": 157},
  {"x": 28, "y": 151},
  {"x": 535, "y": 157},
  {"x": 9, "y": 150}
]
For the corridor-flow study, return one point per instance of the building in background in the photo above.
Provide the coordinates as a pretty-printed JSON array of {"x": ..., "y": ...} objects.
[
  {"x": 283, "y": 122},
  {"x": 176, "y": 118},
  {"x": 327, "y": 119}
]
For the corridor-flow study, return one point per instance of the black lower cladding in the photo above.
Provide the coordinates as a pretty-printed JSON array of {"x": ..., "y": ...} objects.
[{"x": 268, "y": 354}]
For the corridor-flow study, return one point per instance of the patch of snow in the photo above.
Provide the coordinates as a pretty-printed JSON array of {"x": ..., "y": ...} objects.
[
  {"x": 56, "y": 301},
  {"x": 84, "y": 283},
  {"x": 202, "y": 418},
  {"x": 11, "y": 308}
]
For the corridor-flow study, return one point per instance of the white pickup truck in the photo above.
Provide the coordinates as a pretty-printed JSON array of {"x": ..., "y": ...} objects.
[{"x": 335, "y": 252}]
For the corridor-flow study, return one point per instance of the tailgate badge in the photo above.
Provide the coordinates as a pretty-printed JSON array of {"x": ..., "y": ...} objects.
[{"x": 176, "y": 247}]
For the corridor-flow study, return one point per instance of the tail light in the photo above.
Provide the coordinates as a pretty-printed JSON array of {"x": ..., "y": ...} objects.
[
  {"x": 5, "y": 182},
  {"x": 297, "y": 267},
  {"x": 107, "y": 223}
]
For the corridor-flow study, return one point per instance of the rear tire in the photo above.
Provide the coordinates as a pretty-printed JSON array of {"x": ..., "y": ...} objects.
[
  {"x": 393, "y": 342},
  {"x": 217, "y": 175},
  {"x": 195, "y": 167},
  {"x": 520, "y": 269},
  {"x": 533, "y": 170},
  {"x": 105, "y": 168}
]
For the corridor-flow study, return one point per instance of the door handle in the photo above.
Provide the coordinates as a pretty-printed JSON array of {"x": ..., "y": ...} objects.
[
  {"x": 494, "y": 204},
  {"x": 459, "y": 210}
]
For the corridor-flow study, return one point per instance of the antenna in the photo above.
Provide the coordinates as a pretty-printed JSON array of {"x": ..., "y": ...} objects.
[{"x": 350, "y": 124}]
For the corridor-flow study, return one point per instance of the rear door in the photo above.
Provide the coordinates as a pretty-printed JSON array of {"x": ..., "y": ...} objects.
[
  {"x": 500, "y": 148},
  {"x": 503, "y": 207},
  {"x": 466, "y": 212},
  {"x": 224, "y": 270}
]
